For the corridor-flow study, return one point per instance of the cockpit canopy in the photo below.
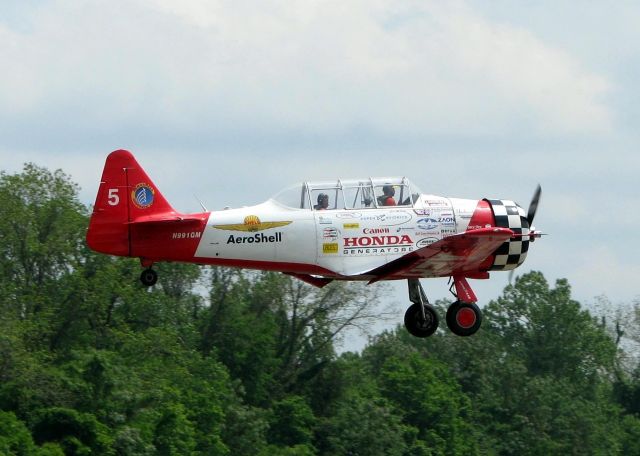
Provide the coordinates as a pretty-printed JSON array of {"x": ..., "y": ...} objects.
[{"x": 367, "y": 193}]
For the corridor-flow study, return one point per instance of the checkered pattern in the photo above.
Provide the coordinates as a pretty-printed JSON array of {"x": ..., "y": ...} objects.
[{"x": 512, "y": 253}]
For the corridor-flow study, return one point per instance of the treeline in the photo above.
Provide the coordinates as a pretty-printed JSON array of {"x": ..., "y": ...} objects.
[{"x": 213, "y": 361}]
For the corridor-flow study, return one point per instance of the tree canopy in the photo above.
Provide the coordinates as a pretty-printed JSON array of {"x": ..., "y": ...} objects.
[{"x": 217, "y": 361}]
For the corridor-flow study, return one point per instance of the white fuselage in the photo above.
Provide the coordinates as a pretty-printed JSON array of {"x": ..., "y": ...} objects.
[{"x": 345, "y": 242}]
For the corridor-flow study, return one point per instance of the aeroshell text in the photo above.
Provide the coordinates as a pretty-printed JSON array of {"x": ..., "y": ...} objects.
[{"x": 258, "y": 238}]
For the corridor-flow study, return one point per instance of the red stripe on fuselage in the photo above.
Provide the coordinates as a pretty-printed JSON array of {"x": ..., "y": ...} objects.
[{"x": 482, "y": 217}]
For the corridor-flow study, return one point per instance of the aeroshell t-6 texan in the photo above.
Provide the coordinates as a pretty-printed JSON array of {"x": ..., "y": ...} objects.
[{"x": 366, "y": 229}]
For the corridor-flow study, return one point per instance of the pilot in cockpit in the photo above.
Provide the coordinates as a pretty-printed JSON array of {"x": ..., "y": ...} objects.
[
  {"x": 386, "y": 199},
  {"x": 323, "y": 202}
]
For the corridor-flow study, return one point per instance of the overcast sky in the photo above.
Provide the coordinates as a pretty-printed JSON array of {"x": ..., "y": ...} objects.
[{"x": 234, "y": 100}]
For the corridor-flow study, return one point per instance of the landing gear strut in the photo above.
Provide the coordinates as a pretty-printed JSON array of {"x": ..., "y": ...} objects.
[
  {"x": 421, "y": 319},
  {"x": 463, "y": 316},
  {"x": 149, "y": 277}
]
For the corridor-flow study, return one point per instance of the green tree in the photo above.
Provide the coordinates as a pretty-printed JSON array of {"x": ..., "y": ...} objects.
[
  {"x": 77, "y": 433},
  {"x": 364, "y": 425},
  {"x": 15, "y": 438},
  {"x": 431, "y": 401},
  {"x": 292, "y": 422},
  {"x": 218, "y": 362},
  {"x": 174, "y": 433},
  {"x": 276, "y": 333},
  {"x": 551, "y": 332}
]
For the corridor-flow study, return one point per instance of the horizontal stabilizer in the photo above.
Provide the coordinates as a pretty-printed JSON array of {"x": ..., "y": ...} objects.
[{"x": 170, "y": 218}]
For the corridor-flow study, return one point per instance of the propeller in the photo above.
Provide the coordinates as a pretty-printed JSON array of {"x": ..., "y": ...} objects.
[{"x": 533, "y": 206}]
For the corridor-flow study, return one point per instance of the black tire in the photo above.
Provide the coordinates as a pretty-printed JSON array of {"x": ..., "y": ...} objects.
[
  {"x": 415, "y": 323},
  {"x": 464, "y": 318},
  {"x": 149, "y": 277}
]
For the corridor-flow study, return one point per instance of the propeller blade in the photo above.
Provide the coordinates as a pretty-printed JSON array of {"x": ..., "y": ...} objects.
[{"x": 534, "y": 205}]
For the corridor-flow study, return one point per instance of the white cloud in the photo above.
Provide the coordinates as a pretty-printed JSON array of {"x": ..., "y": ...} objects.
[{"x": 311, "y": 67}]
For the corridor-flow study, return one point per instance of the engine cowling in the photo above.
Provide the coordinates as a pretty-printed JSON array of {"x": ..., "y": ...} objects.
[
  {"x": 503, "y": 214},
  {"x": 512, "y": 253}
]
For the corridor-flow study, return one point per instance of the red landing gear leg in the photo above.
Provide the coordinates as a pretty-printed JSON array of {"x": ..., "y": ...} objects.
[{"x": 463, "y": 316}]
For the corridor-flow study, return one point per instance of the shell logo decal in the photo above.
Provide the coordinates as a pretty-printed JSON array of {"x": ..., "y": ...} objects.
[
  {"x": 251, "y": 223},
  {"x": 142, "y": 195}
]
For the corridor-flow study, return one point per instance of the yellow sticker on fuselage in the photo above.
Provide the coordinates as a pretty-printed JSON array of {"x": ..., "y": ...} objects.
[{"x": 330, "y": 248}]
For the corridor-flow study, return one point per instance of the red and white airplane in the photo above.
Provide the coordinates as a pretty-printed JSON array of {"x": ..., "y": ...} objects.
[{"x": 367, "y": 229}]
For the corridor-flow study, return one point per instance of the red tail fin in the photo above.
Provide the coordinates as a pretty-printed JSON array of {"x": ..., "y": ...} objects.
[{"x": 125, "y": 194}]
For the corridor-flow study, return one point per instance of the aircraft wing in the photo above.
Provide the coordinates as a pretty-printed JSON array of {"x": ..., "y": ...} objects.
[{"x": 459, "y": 254}]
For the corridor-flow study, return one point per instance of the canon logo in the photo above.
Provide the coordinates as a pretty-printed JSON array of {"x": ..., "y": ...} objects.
[{"x": 375, "y": 230}]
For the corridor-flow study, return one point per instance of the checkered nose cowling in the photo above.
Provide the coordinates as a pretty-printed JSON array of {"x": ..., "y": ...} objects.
[{"x": 513, "y": 252}]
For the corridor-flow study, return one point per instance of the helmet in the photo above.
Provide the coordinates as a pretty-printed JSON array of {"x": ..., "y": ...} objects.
[
  {"x": 321, "y": 197},
  {"x": 388, "y": 190}
]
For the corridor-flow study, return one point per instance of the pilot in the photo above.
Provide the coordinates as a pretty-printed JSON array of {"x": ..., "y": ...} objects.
[
  {"x": 387, "y": 198},
  {"x": 323, "y": 202}
]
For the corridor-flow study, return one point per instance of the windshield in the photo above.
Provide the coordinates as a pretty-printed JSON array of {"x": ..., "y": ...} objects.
[
  {"x": 294, "y": 196},
  {"x": 366, "y": 193}
]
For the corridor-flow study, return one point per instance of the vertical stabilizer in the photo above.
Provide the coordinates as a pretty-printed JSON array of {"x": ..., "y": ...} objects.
[{"x": 125, "y": 193}]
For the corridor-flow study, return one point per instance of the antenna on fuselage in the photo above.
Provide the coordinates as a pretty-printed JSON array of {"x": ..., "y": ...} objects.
[{"x": 201, "y": 203}]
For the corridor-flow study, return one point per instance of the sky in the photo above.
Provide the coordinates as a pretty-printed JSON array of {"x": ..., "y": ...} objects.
[{"x": 232, "y": 101}]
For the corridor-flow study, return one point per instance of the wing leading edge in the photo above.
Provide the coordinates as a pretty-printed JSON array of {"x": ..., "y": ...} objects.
[{"x": 460, "y": 254}]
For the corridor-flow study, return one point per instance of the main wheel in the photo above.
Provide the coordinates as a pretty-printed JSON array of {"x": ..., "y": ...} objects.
[
  {"x": 419, "y": 326},
  {"x": 464, "y": 318},
  {"x": 148, "y": 277}
]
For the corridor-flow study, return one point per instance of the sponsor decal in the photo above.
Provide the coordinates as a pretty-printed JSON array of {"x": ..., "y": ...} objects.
[
  {"x": 388, "y": 218},
  {"x": 186, "y": 235},
  {"x": 376, "y": 230},
  {"x": 424, "y": 212},
  {"x": 142, "y": 196},
  {"x": 426, "y": 241},
  {"x": 366, "y": 241},
  {"x": 330, "y": 248},
  {"x": 427, "y": 223},
  {"x": 464, "y": 213},
  {"x": 351, "y": 226},
  {"x": 378, "y": 250},
  {"x": 428, "y": 233},
  {"x": 330, "y": 234},
  {"x": 258, "y": 238},
  {"x": 347, "y": 215},
  {"x": 434, "y": 203},
  {"x": 478, "y": 227},
  {"x": 324, "y": 220},
  {"x": 447, "y": 232},
  {"x": 251, "y": 223}
]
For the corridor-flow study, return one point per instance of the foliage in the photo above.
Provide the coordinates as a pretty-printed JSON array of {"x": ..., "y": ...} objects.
[
  {"x": 15, "y": 438},
  {"x": 215, "y": 361}
]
